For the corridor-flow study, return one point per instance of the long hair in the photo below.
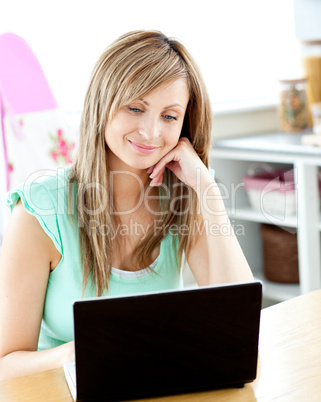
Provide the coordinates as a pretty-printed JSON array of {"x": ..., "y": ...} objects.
[{"x": 131, "y": 67}]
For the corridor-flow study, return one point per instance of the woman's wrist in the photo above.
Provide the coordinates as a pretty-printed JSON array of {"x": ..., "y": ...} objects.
[
  {"x": 206, "y": 185},
  {"x": 65, "y": 353}
]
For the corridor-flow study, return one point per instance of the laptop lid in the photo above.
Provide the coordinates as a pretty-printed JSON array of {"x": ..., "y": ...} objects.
[{"x": 165, "y": 343}]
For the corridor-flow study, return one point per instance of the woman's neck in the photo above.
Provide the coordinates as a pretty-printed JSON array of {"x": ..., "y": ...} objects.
[{"x": 128, "y": 186}]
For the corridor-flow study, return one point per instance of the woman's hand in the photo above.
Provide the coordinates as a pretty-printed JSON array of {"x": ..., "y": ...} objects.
[
  {"x": 214, "y": 259},
  {"x": 183, "y": 161}
]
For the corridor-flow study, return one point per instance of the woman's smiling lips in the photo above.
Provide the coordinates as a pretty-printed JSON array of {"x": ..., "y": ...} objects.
[{"x": 142, "y": 148}]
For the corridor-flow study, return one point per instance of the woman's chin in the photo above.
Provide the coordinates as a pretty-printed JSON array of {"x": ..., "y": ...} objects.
[
  {"x": 122, "y": 162},
  {"x": 142, "y": 164}
]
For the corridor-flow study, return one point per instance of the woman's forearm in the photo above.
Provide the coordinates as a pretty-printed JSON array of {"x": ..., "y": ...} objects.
[
  {"x": 21, "y": 363},
  {"x": 227, "y": 262}
]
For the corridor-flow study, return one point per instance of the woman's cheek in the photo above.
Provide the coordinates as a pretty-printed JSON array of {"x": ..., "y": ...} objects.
[
  {"x": 170, "y": 146},
  {"x": 170, "y": 141}
]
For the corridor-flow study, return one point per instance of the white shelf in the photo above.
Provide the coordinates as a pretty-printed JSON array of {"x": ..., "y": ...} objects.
[
  {"x": 271, "y": 290},
  {"x": 251, "y": 215},
  {"x": 231, "y": 160},
  {"x": 278, "y": 291}
]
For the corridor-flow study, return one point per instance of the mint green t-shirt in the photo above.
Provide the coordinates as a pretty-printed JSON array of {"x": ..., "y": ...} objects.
[{"x": 47, "y": 199}]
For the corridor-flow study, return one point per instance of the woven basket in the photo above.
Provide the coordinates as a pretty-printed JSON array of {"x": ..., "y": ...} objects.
[{"x": 280, "y": 253}]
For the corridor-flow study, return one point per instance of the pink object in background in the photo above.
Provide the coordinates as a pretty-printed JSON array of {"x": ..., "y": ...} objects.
[
  {"x": 22, "y": 78},
  {"x": 275, "y": 180},
  {"x": 272, "y": 192},
  {"x": 23, "y": 85}
]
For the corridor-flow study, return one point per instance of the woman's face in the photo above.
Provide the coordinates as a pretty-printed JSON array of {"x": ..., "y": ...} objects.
[{"x": 146, "y": 129}]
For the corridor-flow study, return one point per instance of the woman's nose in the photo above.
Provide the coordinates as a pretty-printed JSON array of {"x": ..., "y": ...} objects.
[{"x": 149, "y": 128}]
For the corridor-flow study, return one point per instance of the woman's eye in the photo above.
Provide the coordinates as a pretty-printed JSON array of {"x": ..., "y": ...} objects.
[
  {"x": 169, "y": 117},
  {"x": 135, "y": 110}
]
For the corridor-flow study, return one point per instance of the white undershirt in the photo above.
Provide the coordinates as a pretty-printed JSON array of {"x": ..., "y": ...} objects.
[{"x": 134, "y": 274}]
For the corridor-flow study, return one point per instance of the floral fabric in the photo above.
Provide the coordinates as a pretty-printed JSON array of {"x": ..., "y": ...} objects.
[{"x": 45, "y": 141}]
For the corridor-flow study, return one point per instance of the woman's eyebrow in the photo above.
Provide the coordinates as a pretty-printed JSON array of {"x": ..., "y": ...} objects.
[
  {"x": 166, "y": 107},
  {"x": 175, "y": 104}
]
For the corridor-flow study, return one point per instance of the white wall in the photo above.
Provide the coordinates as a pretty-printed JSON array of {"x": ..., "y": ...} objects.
[
  {"x": 307, "y": 19},
  {"x": 241, "y": 46}
]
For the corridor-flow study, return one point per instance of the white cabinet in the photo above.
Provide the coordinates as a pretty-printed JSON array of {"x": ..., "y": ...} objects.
[{"x": 231, "y": 160}]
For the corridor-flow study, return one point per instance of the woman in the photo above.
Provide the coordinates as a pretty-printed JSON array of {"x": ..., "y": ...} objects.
[{"x": 137, "y": 199}]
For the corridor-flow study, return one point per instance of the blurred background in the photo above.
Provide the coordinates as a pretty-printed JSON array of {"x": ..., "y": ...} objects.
[{"x": 243, "y": 49}]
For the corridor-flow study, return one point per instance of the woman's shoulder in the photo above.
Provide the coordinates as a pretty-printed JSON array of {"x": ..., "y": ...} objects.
[
  {"x": 44, "y": 192},
  {"x": 45, "y": 195}
]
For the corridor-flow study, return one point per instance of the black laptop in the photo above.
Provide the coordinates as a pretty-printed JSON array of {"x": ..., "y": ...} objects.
[{"x": 165, "y": 343}]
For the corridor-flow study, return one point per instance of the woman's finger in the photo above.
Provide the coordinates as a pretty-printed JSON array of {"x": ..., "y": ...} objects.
[
  {"x": 150, "y": 169},
  {"x": 157, "y": 181},
  {"x": 160, "y": 166}
]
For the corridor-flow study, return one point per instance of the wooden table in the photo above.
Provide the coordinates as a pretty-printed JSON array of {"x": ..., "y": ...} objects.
[{"x": 289, "y": 366}]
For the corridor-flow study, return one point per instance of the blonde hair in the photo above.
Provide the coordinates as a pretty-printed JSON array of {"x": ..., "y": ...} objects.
[{"x": 131, "y": 67}]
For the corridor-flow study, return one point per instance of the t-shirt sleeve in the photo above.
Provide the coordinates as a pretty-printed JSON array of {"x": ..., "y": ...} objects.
[
  {"x": 212, "y": 172},
  {"x": 39, "y": 201}
]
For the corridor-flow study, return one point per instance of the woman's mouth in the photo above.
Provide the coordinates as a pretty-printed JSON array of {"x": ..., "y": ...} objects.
[{"x": 142, "y": 148}]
